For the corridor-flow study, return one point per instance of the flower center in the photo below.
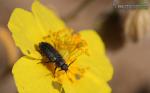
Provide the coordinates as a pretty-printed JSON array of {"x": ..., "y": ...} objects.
[{"x": 70, "y": 46}]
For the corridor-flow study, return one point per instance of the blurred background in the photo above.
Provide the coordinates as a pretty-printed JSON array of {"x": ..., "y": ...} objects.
[{"x": 125, "y": 32}]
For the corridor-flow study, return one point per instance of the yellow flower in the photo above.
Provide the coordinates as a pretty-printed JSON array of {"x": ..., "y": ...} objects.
[{"x": 89, "y": 70}]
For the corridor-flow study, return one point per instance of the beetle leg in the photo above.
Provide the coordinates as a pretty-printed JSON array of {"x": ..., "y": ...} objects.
[
  {"x": 55, "y": 71},
  {"x": 45, "y": 62},
  {"x": 32, "y": 58}
]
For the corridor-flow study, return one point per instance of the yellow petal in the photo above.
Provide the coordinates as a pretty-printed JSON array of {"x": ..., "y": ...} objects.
[
  {"x": 88, "y": 84},
  {"x": 31, "y": 77},
  {"x": 25, "y": 31},
  {"x": 97, "y": 61},
  {"x": 46, "y": 18}
]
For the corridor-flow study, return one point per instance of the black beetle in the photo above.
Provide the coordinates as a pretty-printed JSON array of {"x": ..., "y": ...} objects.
[{"x": 53, "y": 55}]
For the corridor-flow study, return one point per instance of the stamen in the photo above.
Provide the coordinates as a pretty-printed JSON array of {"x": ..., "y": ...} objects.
[{"x": 70, "y": 46}]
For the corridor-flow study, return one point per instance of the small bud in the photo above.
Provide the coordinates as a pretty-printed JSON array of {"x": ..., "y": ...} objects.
[{"x": 137, "y": 25}]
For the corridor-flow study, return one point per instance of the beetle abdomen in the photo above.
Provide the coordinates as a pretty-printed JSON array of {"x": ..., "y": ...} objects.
[{"x": 48, "y": 50}]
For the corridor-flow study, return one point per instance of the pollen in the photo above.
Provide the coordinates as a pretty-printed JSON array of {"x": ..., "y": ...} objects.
[{"x": 70, "y": 45}]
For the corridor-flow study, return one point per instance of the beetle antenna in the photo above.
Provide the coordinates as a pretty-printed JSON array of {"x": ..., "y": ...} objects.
[{"x": 72, "y": 62}]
